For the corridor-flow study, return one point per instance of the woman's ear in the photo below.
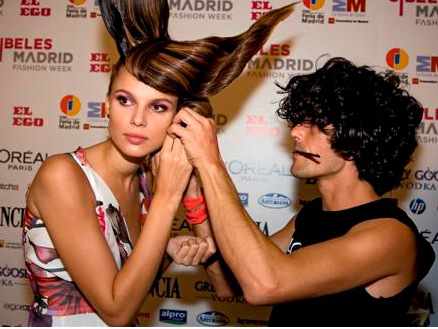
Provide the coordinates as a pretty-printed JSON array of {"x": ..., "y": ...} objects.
[{"x": 107, "y": 107}]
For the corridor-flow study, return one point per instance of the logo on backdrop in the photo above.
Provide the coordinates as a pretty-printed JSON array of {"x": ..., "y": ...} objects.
[
  {"x": 244, "y": 199},
  {"x": 425, "y": 12},
  {"x": 312, "y": 14},
  {"x": 257, "y": 171},
  {"x": 21, "y": 161},
  {"x": 100, "y": 63},
  {"x": 10, "y": 244},
  {"x": 212, "y": 318},
  {"x": 421, "y": 179},
  {"x": 34, "y": 8},
  {"x": 173, "y": 316},
  {"x": 11, "y": 217},
  {"x": 35, "y": 54},
  {"x": 217, "y": 10},
  {"x": 79, "y": 9},
  {"x": 430, "y": 236},
  {"x": 96, "y": 116},
  {"x": 348, "y": 11},
  {"x": 262, "y": 125},
  {"x": 70, "y": 106},
  {"x": 428, "y": 130},
  {"x": 417, "y": 206},
  {"x": 274, "y": 201},
  {"x": 426, "y": 69},
  {"x": 12, "y": 276},
  {"x": 275, "y": 61},
  {"x": 259, "y": 8},
  {"x": 166, "y": 287},
  {"x": 398, "y": 59},
  {"x": 16, "y": 307},
  {"x": 22, "y": 116},
  {"x": 9, "y": 187}
]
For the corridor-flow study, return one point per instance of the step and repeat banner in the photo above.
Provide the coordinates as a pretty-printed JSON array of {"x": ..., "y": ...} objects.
[{"x": 55, "y": 60}]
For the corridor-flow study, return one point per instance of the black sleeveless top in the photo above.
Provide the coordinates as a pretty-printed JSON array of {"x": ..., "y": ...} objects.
[{"x": 354, "y": 307}]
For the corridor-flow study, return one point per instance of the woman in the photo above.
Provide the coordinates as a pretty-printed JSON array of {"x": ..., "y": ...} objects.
[{"x": 90, "y": 260}]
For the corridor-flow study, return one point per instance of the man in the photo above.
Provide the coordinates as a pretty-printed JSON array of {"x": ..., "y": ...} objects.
[{"x": 350, "y": 257}]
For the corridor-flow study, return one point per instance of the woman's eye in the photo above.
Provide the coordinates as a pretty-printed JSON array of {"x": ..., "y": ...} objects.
[
  {"x": 159, "y": 107},
  {"x": 123, "y": 100}
]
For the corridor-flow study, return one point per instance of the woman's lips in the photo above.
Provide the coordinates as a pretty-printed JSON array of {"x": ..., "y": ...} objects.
[{"x": 135, "y": 139}]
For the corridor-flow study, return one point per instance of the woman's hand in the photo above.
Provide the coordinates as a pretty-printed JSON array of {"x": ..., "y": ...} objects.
[
  {"x": 171, "y": 168},
  {"x": 190, "y": 251}
]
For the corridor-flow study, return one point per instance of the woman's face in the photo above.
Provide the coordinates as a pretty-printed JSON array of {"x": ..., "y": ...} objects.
[{"x": 139, "y": 115}]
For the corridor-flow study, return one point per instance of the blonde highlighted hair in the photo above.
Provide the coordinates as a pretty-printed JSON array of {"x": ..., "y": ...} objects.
[{"x": 191, "y": 70}]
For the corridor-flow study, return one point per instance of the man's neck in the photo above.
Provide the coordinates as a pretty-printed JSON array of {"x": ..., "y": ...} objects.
[{"x": 345, "y": 192}]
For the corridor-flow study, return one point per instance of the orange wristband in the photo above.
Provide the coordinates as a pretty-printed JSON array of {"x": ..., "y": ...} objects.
[{"x": 196, "y": 210}]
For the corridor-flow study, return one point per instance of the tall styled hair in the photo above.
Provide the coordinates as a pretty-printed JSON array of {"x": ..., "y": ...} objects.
[
  {"x": 191, "y": 70},
  {"x": 369, "y": 118}
]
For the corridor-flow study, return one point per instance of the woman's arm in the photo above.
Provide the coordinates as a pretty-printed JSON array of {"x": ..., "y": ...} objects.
[{"x": 65, "y": 201}]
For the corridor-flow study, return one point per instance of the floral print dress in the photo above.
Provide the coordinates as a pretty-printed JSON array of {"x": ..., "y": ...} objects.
[{"x": 58, "y": 301}]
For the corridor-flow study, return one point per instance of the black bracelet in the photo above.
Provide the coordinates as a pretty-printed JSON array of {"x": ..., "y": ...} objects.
[{"x": 213, "y": 258}]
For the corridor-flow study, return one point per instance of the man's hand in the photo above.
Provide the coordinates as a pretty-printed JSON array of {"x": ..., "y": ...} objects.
[
  {"x": 190, "y": 251},
  {"x": 198, "y": 135}
]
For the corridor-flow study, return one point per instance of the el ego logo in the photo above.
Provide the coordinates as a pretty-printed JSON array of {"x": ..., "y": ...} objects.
[
  {"x": 23, "y": 117},
  {"x": 33, "y": 8},
  {"x": 100, "y": 63},
  {"x": 259, "y": 8}
]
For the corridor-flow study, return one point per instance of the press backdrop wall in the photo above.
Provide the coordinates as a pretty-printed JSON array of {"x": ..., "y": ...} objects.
[{"x": 55, "y": 58}]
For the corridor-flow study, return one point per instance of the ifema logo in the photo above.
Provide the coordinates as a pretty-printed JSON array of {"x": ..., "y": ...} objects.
[
  {"x": 313, "y": 4},
  {"x": 397, "y": 59},
  {"x": 70, "y": 106},
  {"x": 312, "y": 13},
  {"x": 78, "y": 9}
]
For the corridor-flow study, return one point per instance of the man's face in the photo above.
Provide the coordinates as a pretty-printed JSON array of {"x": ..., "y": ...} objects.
[{"x": 312, "y": 154}]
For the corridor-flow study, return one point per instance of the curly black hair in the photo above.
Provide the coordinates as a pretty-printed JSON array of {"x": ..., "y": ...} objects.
[{"x": 374, "y": 120}]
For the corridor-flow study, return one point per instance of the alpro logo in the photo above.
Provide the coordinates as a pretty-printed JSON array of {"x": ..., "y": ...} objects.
[
  {"x": 219, "y": 10},
  {"x": 274, "y": 200},
  {"x": 348, "y": 11},
  {"x": 212, "y": 318},
  {"x": 417, "y": 206},
  {"x": 428, "y": 130},
  {"x": 34, "y": 8},
  {"x": 70, "y": 106},
  {"x": 397, "y": 59},
  {"x": 173, "y": 316}
]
